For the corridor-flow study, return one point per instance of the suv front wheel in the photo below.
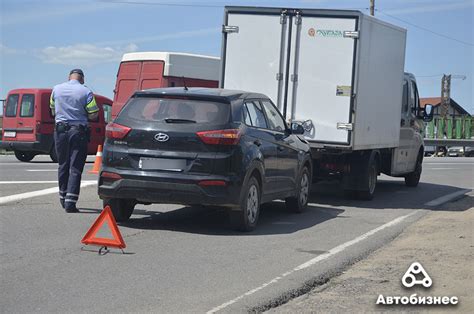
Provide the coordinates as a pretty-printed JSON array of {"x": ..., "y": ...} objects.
[{"x": 299, "y": 202}]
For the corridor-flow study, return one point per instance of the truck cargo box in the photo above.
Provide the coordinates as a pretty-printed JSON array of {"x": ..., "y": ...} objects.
[{"x": 338, "y": 71}]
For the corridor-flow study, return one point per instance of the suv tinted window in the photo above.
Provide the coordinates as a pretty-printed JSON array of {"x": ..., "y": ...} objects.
[
  {"x": 12, "y": 104},
  {"x": 275, "y": 121},
  {"x": 256, "y": 115},
  {"x": 27, "y": 108},
  {"x": 160, "y": 109}
]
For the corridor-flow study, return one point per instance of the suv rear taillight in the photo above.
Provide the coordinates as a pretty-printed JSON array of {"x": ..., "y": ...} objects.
[
  {"x": 220, "y": 137},
  {"x": 116, "y": 131}
]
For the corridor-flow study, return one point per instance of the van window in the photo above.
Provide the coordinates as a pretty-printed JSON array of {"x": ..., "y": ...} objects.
[
  {"x": 27, "y": 108},
  {"x": 12, "y": 104}
]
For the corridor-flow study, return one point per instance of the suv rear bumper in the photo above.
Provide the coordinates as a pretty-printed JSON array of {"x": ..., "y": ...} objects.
[
  {"x": 43, "y": 144},
  {"x": 171, "y": 189}
]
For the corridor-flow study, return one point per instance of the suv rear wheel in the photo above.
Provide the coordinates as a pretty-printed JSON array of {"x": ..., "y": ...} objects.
[
  {"x": 24, "y": 156},
  {"x": 299, "y": 202},
  {"x": 246, "y": 218},
  {"x": 122, "y": 209}
]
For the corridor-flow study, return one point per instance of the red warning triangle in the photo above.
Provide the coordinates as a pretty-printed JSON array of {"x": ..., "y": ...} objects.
[{"x": 106, "y": 217}]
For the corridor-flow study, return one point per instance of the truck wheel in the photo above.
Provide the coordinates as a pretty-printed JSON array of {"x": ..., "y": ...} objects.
[
  {"x": 413, "y": 178},
  {"x": 245, "y": 219},
  {"x": 24, "y": 156},
  {"x": 52, "y": 154},
  {"x": 122, "y": 209},
  {"x": 369, "y": 180},
  {"x": 299, "y": 202}
]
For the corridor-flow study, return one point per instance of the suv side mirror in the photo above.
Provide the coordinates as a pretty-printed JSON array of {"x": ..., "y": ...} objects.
[
  {"x": 297, "y": 128},
  {"x": 428, "y": 113}
]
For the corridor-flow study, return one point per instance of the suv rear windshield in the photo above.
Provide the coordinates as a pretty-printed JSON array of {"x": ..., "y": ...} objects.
[{"x": 174, "y": 110}]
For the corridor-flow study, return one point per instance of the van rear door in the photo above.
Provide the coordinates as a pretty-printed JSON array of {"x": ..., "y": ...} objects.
[
  {"x": 10, "y": 117},
  {"x": 133, "y": 76},
  {"x": 26, "y": 121}
]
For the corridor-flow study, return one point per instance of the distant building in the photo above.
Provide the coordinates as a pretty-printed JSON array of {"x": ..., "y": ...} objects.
[{"x": 454, "y": 110}]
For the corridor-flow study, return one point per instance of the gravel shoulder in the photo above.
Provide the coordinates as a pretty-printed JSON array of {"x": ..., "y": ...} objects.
[{"x": 442, "y": 242}]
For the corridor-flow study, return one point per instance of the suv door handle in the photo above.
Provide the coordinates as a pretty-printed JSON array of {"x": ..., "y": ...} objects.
[
  {"x": 281, "y": 148},
  {"x": 257, "y": 142}
]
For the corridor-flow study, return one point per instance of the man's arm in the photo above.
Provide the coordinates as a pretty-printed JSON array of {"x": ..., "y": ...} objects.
[
  {"x": 92, "y": 108},
  {"x": 51, "y": 104}
]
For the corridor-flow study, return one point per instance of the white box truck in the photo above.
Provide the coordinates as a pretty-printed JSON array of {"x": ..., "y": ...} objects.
[{"x": 340, "y": 73}]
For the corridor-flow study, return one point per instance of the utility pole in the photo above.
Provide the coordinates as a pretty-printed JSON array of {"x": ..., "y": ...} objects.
[
  {"x": 445, "y": 94},
  {"x": 372, "y": 7}
]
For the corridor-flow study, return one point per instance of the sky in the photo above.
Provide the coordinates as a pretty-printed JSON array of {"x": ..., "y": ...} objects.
[{"x": 41, "y": 41}]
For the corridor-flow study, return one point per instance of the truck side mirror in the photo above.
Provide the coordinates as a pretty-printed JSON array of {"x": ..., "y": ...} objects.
[
  {"x": 297, "y": 128},
  {"x": 428, "y": 113}
]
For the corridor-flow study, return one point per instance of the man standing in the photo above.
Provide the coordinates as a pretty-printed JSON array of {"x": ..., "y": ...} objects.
[{"x": 73, "y": 105}]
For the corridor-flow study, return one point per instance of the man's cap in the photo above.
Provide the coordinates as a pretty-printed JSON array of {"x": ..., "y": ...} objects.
[{"x": 78, "y": 71}]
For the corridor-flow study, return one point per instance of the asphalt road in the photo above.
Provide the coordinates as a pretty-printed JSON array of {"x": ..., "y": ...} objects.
[{"x": 183, "y": 259}]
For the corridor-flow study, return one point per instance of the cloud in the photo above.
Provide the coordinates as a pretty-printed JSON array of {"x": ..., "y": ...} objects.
[
  {"x": 109, "y": 51},
  {"x": 432, "y": 7},
  {"x": 176, "y": 35},
  {"x": 38, "y": 12},
  {"x": 84, "y": 54},
  {"x": 5, "y": 50}
]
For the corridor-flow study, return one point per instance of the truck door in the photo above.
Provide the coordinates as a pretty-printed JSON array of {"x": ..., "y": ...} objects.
[
  {"x": 304, "y": 63},
  {"x": 415, "y": 126},
  {"x": 321, "y": 80},
  {"x": 258, "y": 52},
  {"x": 400, "y": 154}
]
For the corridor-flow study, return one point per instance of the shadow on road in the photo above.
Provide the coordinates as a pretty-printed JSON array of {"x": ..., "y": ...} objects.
[
  {"x": 274, "y": 219},
  {"x": 389, "y": 194}
]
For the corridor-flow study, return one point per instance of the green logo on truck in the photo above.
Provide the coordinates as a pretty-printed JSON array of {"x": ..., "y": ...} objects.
[{"x": 330, "y": 33}]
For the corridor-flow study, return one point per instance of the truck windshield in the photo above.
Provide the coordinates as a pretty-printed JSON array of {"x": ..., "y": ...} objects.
[{"x": 172, "y": 110}]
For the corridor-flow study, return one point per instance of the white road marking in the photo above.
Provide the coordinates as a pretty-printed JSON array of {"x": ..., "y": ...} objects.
[
  {"x": 41, "y": 170},
  {"x": 448, "y": 163},
  {"x": 444, "y": 169},
  {"x": 447, "y": 198},
  {"x": 27, "y": 182},
  {"x": 313, "y": 261},
  {"x": 22, "y": 196}
]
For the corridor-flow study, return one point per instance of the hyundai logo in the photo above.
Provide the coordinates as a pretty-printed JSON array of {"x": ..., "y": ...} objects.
[{"x": 161, "y": 137}]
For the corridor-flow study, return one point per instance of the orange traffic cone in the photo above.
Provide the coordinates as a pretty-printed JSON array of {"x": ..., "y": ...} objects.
[{"x": 98, "y": 161}]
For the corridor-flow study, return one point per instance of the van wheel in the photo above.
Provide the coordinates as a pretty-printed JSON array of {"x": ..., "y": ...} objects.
[
  {"x": 24, "y": 156},
  {"x": 413, "y": 178},
  {"x": 299, "y": 202},
  {"x": 122, "y": 209},
  {"x": 245, "y": 219},
  {"x": 369, "y": 180},
  {"x": 52, "y": 154}
]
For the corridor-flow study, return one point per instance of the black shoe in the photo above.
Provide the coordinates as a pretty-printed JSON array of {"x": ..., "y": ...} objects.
[
  {"x": 62, "y": 203},
  {"x": 71, "y": 208}
]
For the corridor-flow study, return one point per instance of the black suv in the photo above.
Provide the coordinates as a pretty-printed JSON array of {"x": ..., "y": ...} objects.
[{"x": 204, "y": 146}]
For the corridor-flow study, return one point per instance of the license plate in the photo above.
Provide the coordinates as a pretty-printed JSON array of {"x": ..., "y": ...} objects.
[
  {"x": 162, "y": 164},
  {"x": 9, "y": 134}
]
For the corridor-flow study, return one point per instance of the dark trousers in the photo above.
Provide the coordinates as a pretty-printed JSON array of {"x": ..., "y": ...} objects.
[{"x": 71, "y": 149}]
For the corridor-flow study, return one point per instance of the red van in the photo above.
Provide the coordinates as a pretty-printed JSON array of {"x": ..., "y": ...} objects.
[
  {"x": 28, "y": 125},
  {"x": 144, "y": 70}
]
